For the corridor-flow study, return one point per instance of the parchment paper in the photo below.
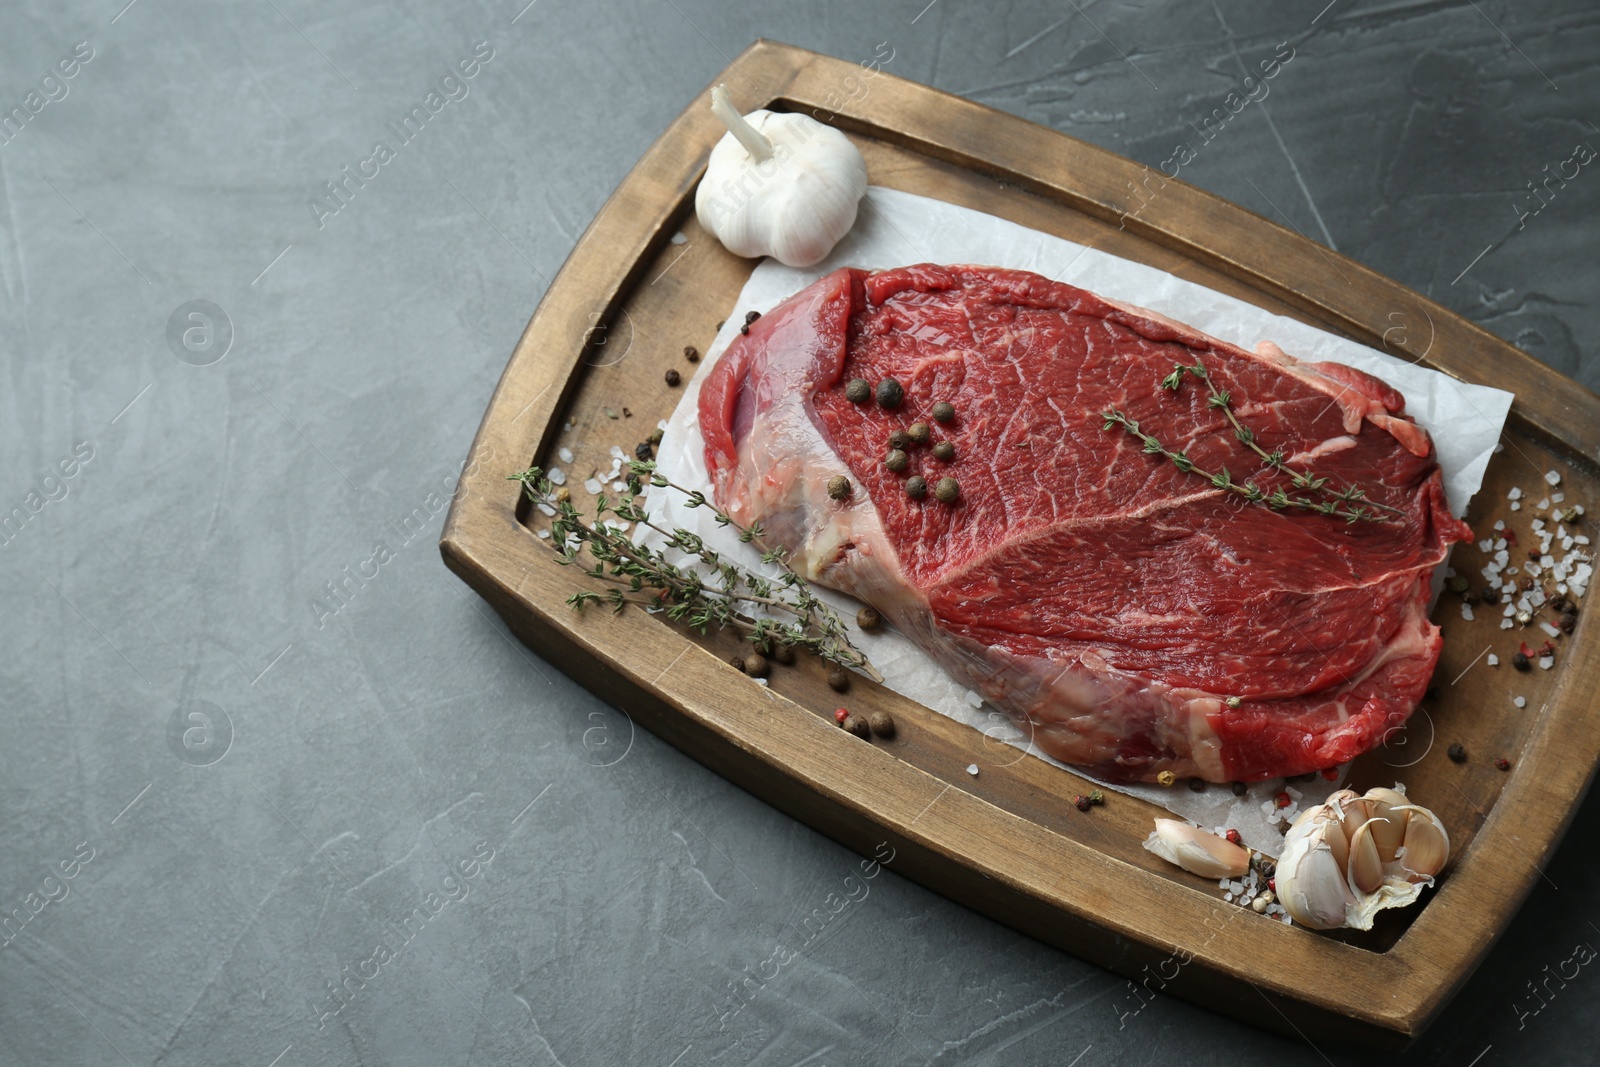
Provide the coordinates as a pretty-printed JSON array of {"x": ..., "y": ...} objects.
[{"x": 895, "y": 229}]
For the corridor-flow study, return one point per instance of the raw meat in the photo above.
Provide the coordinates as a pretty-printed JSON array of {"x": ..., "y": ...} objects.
[{"x": 1134, "y": 617}]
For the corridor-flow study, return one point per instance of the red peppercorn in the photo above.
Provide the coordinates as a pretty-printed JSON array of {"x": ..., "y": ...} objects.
[
  {"x": 1233, "y": 835},
  {"x": 840, "y": 714},
  {"x": 1503, "y": 763},
  {"x": 1282, "y": 800},
  {"x": 1081, "y": 802},
  {"x": 1331, "y": 774},
  {"x": 1272, "y": 884},
  {"x": 1510, "y": 536}
]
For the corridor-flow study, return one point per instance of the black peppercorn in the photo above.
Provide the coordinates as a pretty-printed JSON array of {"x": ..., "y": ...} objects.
[
  {"x": 691, "y": 353},
  {"x": 882, "y": 723},
  {"x": 896, "y": 460},
  {"x": 947, "y": 490},
  {"x": 1457, "y": 753},
  {"x": 838, "y": 679},
  {"x": 1568, "y": 623},
  {"x": 672, "y": 376},
  {"x": 751, "y": 316},
  {"x": 890, "y": 394},
  {"x": 643, "y": 450},
  {"x": 945, "y": 451},
  {"x": 943, "y": 412},
  {"x": 1197, "y": 785},
  {"x": 868, "y": 618},
  {"x": 916, "y": 487},
  {"x": 1240, "y": 789},
  {"x": 858, "y": 391},
  {"x": 919, "y": 432},
  {"x": 838, "y": 487},
  {"x": 1520, "y": 661}
]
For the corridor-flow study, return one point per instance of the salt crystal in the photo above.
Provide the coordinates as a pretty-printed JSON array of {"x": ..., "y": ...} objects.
[
  {"x": 544, "y": 534},
  {"x": 1506, "y": 624},
  {"x": 1544, "y": 505},
  {"x": 974, "y": 698},
  {"x": 1521, "y": 702},
  {"x": 1553, "y": 477},
  {"x": 1485, "y": 545},
  {"x": 1557, "y": 497},
  {"x": 1516, "y": 505},
  {"x": 619, "y": 487},
  {"x": 1515, "y": 494},
  {"x": 592, "y": 486},
  {"x": 1580, "y": 539},
  {"x": 761, "y": 681},
  {"x": 1466, "y": 612},
  {"x": 1499, "y": 448},
  {"x": 972, "y": 768},
  {"x": 546, "y": 508},
  {"x": 617, "y": 452},
  {"x": 661, "y": 424},
  {"x": 1551, "y": 630},
  {"x": 558, "y": 476},
  {"x": 1546, "y": 662},
  {"x": 1499, "y": 524},
  {"x": 1294, "y": 794},
  {"x": 1547, "y": 561},
  {"x": 565, "y": 453},
  {"x": 1538, "y": 524},
  {"x": 1228, "y": 897},
  {"x": 1493, "y": 660}
]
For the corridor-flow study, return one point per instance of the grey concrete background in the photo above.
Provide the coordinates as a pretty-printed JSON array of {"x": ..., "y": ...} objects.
[{"x": 253, "y": 796}]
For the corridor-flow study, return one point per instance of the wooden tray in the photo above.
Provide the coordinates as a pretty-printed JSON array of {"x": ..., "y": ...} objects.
[{"x": 1009, "y": 842}]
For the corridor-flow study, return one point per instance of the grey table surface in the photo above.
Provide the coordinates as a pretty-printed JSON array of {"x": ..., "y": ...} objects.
[{"x": 388, "y": 834}]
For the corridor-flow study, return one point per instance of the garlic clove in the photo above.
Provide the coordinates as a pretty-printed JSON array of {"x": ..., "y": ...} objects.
[
  {"x": 1427, "y": 846},
  {"x": 1365, "y": 867},
  {"x": 1311, "y": 881},
  {"x": 1196, "y": 850}
]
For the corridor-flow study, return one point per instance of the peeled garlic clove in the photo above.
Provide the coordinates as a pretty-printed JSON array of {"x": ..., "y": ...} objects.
[
  {"x": 1427, "y": 846},
  {"x": 1196, "y": 850},
  {"x": 1365, "y": 867},
  {"x": 1311, "y": 878}
]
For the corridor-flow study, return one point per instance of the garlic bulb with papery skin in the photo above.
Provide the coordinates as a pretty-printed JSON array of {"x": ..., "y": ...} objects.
[
  {"x": 779, "y": 184},
  {"x": 1197, "y": 851},
  {"x": 1351, "y": 857}
]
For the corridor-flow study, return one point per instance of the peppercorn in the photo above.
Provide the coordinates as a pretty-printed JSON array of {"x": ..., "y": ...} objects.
[
  {"x": 1458, "y": 584},
  {"x": 1282, "y": 800},
  {"x": 890, "y": 394},
  {"x": 1081, "y": 801},
  {"x": 1166, "y": 778},
  {"x": 916, "y": 487},
  {"x": 1457, "y": 753},
  {"x": 691, "y": 353},
  {"x": 1240, "y": 789},
  {"x": 643, "y": 450},
  {"x": 1559, "y": 603},
  {"x": 944, "y": 451},
  {"x": 919, "y": 432},
  {"x": 900, "y": 440},
  {"x": 1469, "y": 597},
  {"x": 857, "y": 724},
  {"x": 1520, "y": 661},
  {"x": 840, "y": 715},
  {"x": 672, "y": 376},
  {"x": 858, "y": 391},
  {"x": 882, "y": 723},
  {"x": 1197, "y": 785},
  {"x": 749, "y": 317},
  {"x": 947, "y": 489},
  {"x": 1233, "y": 836},
  {"x": 869, "y": 619},
  {"x": 943, "y": 412},
  {"x": 755, "y": 665},
  {"x": 896, "y": 460},
  {"x": 656, "y": 435},
  {"x": 721, "y": 324},
  {"x": 1503, "y": 763},
  {"x": 838, "y": 487},
  {"x": 737, "y": 661},
  {"x": 1096, "y": 797},
  {"x": 783, "y": 653},
  {"x": 563, "y": 495},
  {"x": 1268, "y": 868},
  {"x": 838, "y": 679},
  {"x": 1568, "y": 622},
  {"x": 1260, "y": 904}
]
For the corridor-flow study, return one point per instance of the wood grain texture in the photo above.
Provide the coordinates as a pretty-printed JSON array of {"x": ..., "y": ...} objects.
[{"x": 588, "y": 374}]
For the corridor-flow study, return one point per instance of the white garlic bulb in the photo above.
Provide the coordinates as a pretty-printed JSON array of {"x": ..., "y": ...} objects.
[
  {"x": 1351, "y": 857},
  {"x": 779, "y": 184},
  {"x": 1197, "y": 851}
]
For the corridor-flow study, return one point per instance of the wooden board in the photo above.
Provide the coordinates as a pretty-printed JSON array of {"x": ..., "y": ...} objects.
[{"x": 588, "y": 374}]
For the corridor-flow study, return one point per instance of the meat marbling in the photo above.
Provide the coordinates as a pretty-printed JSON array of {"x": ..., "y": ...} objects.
[{"x": 1097, "y": 593}]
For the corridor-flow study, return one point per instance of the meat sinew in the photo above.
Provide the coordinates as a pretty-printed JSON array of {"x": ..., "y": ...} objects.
[{"x": 1139, "y": 618}]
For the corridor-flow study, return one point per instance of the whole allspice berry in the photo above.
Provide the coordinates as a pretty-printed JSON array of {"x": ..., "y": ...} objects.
[
  {"x": 838, "y": 678},
  {"x": 755, "y": 665},
  {"x": 839, "y": 487},
  {"x": 857, "y": 724},
  {"x": 947, "y": 490},
  {"x": 916, "y": 487},
  {"x": 919, "y": 432},
  {"x": 858, "y": 391},
  {"x": 896, "y": 460},
  {"x": 784, "y": 653},
  {"x": 943, "y": 412},
  {"x": 869, "y": 619},
  {"x": 672, "y": 376},
  {"x": 890, "y": 393},
  {"x": 900, "y": 441},
  {"x": 882, "y": 723},
  {"x": 944, "y": 451}
]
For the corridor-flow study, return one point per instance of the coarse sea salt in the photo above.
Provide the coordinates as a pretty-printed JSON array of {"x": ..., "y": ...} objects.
[
  {"x": 1515, "y": 494},
  {"x": 974, "y": 698},
  {"x": 1521, "y": 702},
  {"x": 592, "y": 486},
  {"x": 1546, "y": 662},
  {"x": 1553, "y": 477},
  {"x": 565, "y": 453},
  {"x": 1493, "y": 660},
  {"x": 1466, "y": 612},
  {"x": 557, "y": 476}
]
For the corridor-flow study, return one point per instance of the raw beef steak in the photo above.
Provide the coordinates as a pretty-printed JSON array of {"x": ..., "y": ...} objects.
[{"x": 1138, "y": 618}]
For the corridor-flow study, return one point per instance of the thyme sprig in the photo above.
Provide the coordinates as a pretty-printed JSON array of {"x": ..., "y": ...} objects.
[
  {"x": 706, "y": 590},
  {"x": 1276, "y": 500},
  {"x": 1308, "y": 481}
]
